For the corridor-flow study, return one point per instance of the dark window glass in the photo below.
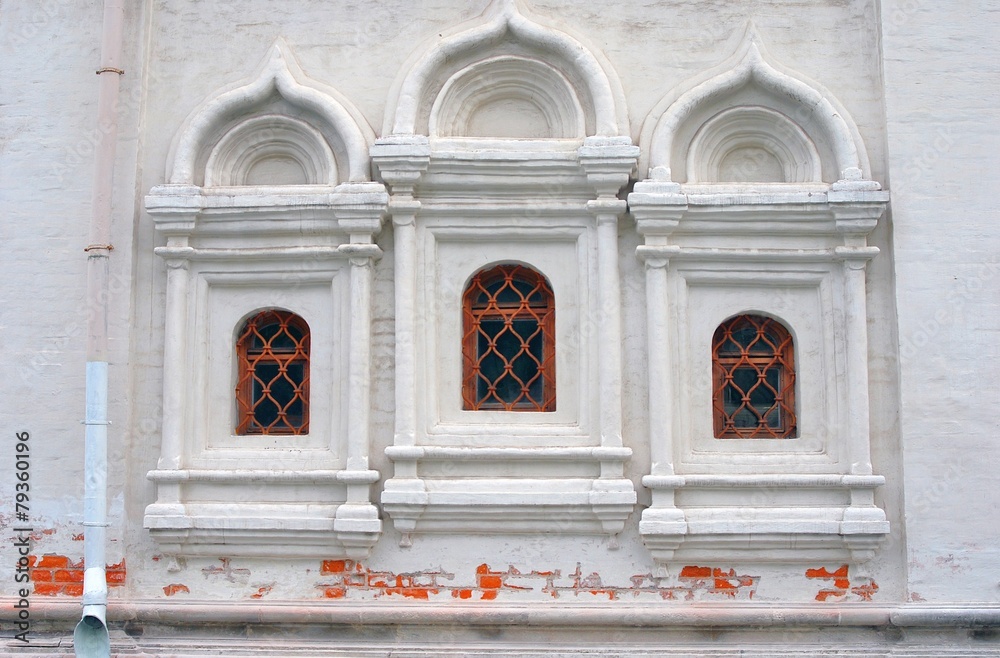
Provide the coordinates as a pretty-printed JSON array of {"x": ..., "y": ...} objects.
[
  {"x": 272, "y": 391},
  {"x": 509, "y": 341},
  {"x": 753, "y": 377}
]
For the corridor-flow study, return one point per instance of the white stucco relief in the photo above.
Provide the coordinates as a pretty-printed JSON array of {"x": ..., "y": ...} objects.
[
  {"x": 466, "y": 199},
  {"x": 789, "y": 242},
  {"x": 296, "y": 234}
]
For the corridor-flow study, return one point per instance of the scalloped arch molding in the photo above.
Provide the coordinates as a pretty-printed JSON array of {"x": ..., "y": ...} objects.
[
  {"x": 424, "y": 93},
  {"x": 508, "y": 96},
  {"x": 334, "y": 151},
  {"x": 807, "y": 124},
  {"x": 526, "y": 80}
]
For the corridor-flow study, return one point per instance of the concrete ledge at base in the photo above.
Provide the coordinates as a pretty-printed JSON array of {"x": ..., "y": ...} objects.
[{"x": 621, "y": 616}]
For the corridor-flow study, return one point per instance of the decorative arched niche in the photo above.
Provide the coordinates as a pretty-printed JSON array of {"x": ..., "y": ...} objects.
[
  {"x": 280, "y": 128},
  {"x": 507, "y": 141},
  {"x": 271, "y": 149},
  {"x": 747, "y": 122},
  {"x": 268, "y": 204},
  {"x": 464, "y": 85},
  {"x": 757, "y": 197},
  {"x": 508, "y": 97},
  {"x": 752, "y": 144}
]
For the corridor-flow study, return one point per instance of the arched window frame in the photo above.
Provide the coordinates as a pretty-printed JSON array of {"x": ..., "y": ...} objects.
[
  {"x": 538, "y": 305},
  {"x": 253, "y": 356},
  {"x": 771, "y": 352}
]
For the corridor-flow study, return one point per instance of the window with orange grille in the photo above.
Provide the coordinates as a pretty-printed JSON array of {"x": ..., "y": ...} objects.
[
  {"x": 508, "y": 350},
  {"x": 272, "y": 389},
  {"x": 753, "y": 379}
]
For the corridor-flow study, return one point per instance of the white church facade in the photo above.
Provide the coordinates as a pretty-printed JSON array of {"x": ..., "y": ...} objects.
[{"x": 501, "y": 328}]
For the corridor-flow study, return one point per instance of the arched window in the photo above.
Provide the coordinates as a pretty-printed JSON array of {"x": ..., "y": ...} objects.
[
  {"x": 508, "y": 350},
  {"x": 753, "y": 379},
  {"x": 272, "y": 389}
]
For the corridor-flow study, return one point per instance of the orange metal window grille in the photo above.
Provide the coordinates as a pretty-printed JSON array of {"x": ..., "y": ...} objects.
[
  {"x": 272, "y": 390},
  {"x": 753, "y": 379},
  {"x": 508, "y": 347}
]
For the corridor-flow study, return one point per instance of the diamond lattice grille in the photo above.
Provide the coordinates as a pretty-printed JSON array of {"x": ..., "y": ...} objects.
[
  {"x": 509, "y": 341},
  {"x": 753, "y": 379},
  {"x": 272, "y": 392}
]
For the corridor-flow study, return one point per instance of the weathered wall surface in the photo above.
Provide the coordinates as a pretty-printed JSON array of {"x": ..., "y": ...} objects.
[
  {"x": 941, "y": 101},
  {"x": 49, "y": 134},
  {"x": 930, "y": 132}
]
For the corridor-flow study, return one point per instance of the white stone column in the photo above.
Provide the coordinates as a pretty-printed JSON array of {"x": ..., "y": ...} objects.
[
  {"x": 609, "y": 324},
  {"x": 175, "y": 381},
  {"x": 359, "y": 368},
  {"x": 661, "y": 397},
  {"x": 864, "y": 525},
  {"x": 175, "y": 356},
  {"x": 405, "y": 247},
  {"x": 658, "y": 207},
  {"x": 608, "y": 161},
  {"x": 855, "y": 259},
  {"x": 662, "y": 525},
  {"x": 401, "y": 161},
  {"x": 356, "y": 521}
]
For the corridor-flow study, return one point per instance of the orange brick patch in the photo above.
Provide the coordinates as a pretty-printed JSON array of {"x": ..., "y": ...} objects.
[
  {"x": 841, "y": 585},
  {"x": 344, "y": 578},
  {"x": 54, "y": 575}
]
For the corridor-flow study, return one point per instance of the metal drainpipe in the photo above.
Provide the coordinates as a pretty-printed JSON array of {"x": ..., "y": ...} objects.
[{"x": 91, "y": 638}]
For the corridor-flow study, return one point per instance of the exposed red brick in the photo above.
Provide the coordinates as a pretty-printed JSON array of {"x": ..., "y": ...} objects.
[
  {"x": 68, "y": 576},
  {"x": 75, "y": 589},
  {"x": 41, "y": 575},
  {"x": 53, "y": 562},
  {"x": 611, "y": 594},
  {"x": 825, "y": 594},
  {"x": 696, "y": 572},
  {"x": 842, "y": 585},
  {"x": 412, "y": 592},
  {"x": 334, "y": 566},
  {"x": 48, "y": 589},
  {"x": 823, "y": 573},
  {"x": 378, "y": 580},
  {"x": 342, "y": 576},
  {"x": 176, "y": 588},
  {"x": 490, "y": 582},
  {"x": 78, "y": 537},
  {"x": 866, "y": 592},
  {"x": 261, "y": 592}
]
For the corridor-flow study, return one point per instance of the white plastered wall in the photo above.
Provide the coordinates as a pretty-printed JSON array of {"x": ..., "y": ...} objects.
[
  {"x": 941, "y": 107},
  {"x": 942, "y": 222}
]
